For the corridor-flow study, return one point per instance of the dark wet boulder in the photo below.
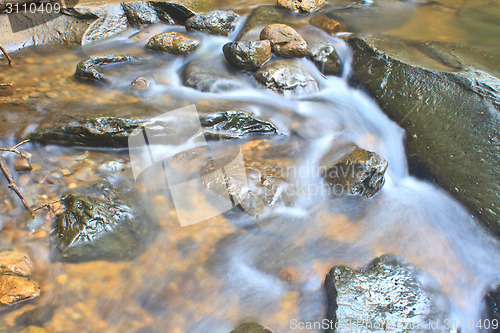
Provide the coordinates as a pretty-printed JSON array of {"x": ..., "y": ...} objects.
[
  {"x": 83, "y": 131},
  {"x": 447, "y": 98},
  {"x": 251, "y": 328},
  {"x": 324, "y": 56},
  {"x": 301, "y": 6},
  {"x": 385, "y": 296},
  {"x": 247, "y": 55},
  {"x": 327, "y": 24},
  {"x": 287, "y": 77},
  {"x": 360, "y": 172},
  {"x": 214, "y": 78},
  {"x": 235, "y": 125},
  {"x": 492, "y": 310},
  {"x": 218, "y": 22},
  {"x": 14, "y": 289},
  {"x": 140, "y": 14},
  {"x": 102, "y": 225},
  {"x": 91, "y": 68},
  {"x": 175, "y": 12},
  {"x": 285, "y": 41},
  {"x": 173, "y": 43}
]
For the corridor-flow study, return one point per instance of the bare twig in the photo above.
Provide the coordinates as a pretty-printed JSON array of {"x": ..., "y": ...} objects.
[
  {"x": 8, "y": 84},
  {"x": 6, "y": 55},
  {"x": 20, "y": 144},
  {"x": 13, "y": 186},
  {"x": 49, "y": 206}
]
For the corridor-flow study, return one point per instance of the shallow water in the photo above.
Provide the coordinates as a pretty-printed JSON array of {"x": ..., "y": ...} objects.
[{"x": 211, "y": 276}]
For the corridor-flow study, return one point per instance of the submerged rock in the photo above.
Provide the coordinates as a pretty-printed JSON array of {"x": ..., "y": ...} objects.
[
  {"x": 91, "y": 68},
  {"x": 324, "y": 55},
  {"x": 218, "y": 22},
  {"x": 173, "y": 42},
  {"x": 287, "y": 77},
  {"x": 37, "y": 317},
  {"x": 234, "y": 125},
  {"x": 327, "y": 24},
  {"x": 140, "y": 83},
  {"x": 301, "y": 6},
  {"x": 385, "y": 296},
  {"x": 21, "y": 164},
  {"x": 261, "y": 17},
  {"x": 14, "y": 289},
  {"x": 15, "y": 263},
  {"x": 451, "y": 116},
  {"x": 251, "y": 328},
  {"x": 285, "y": 41},
  {"x": 214, "y": 78},
  {"x": 247, "y": 55},
  {"x": 361, "y": 172},
  {"x": 102, "y": 225}
]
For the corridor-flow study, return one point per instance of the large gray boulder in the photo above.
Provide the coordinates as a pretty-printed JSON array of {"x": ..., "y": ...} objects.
[{"x": 450, "y": 111}]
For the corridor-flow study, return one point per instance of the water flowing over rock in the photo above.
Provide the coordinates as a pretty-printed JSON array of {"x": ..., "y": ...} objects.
[
  {"x": 247, "y": 55},
  {"x": 235, "y": 125},
  {"x": 15, "y": 263},
  {"x": 301, "y": 6},
  {"x": 327, "y": 24},
  {"x": 385, "y": 296},
  {"x": 287, "y": 77},
  {"x": 15, "y": 289},
  {"x": 361, "y": 172},
  {"x": 173, "y": 42},
  {"x": 102, "y": 225},
  {"x": 251, "y": 328},
  {"x": 451, "y": 118},
  {"x": 324, "y": 55},
  {"x": 91, "y": 68},
  {"x": 218, "y": 22},
  {"x": 285, "y": 41},
  {"x": 214, "y": 78}
]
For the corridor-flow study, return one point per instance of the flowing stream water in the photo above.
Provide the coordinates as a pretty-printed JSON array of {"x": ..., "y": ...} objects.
[{"x": 211, "y": 276}]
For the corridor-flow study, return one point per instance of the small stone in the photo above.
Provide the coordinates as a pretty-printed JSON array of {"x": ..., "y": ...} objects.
[
  {"x": 248, "y": 55},
  {"x": 285, "y": 41},
  {"x": 65, "y": 172},
  {"x": 22, "y": 165},
  {"x": 14, "y": 289},
  {"x": 287, "y": 77},
  {"x": 327, "y": 24},
  {"x": 251, "y": 328},
  {"x": 173, "y": 43},
  {"x": 301, "y": 6},
  {"x": 140, "y": 83},
  {"x": 325, "y": 57},
  {"x": 218, "y": 22},
  {"x": 361, "y": 172},
  {"x": 15, "y": 263}
]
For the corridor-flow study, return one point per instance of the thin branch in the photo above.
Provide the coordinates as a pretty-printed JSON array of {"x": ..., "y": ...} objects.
[
  {"x": 16, "y": 152},
  {"x": 49, "y": 206},
  {"x": 20, "y": 144},
  {"x": 13, "y": 186},
  {"x": 8, "y": 84},
  {"x": 6, "y": 55}
]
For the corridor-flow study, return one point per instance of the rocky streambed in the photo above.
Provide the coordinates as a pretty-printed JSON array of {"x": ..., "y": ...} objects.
[{"x": 305, "y": 217}]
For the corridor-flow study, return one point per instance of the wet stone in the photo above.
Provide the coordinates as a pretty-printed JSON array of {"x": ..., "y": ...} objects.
[
  {"x": 301, "y": 6},
  {"x": 235, "y": 125},
  {"x": 247, "y": 55},
  {"x": 328, "y": 24},
  {"x": 15, "y": 263},
  {"x": 102, "y": 225},
  {"x": 288, "y": 78},
  {"x": 361, "y": 172},
  {"x": 22, "y": 165},
  {"x": 285, "y": 41},
  {"x": 218, "y": 22},
  {"x": 140, "y": 83},
  {"x": 214, "y": 78},
  {"x": 324, "y": 56},
  {"x": 173, "y": 43},
  {"x": 386, "y": 294},
  {"x": 140, "y": 14},
  {"x": 15, "y": 289},
  {"x": 91, "y": 68},
  {"x": 250, "y": 328}
]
